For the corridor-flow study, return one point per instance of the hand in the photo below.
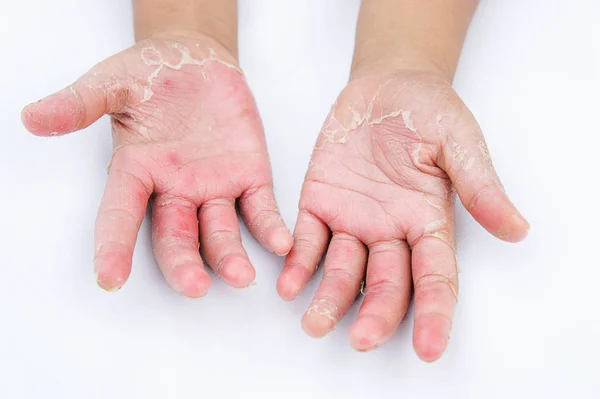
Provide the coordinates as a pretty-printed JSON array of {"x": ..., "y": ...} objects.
[
  {"x": 187, "y": 134},
  {"x": 381, "y": 185}
]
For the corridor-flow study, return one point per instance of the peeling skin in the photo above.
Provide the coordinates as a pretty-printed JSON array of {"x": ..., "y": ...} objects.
[
  {"x": 460, "y": 155},
  {"x": 363, "y": 288},
  {"x": 117, "y": 283},
  {"x": 434, "y": 277},
  {"x": 317, "y": 171},
  {"x": 437, "y": 228},
  {"x": 324, "y": 307},
  {"x": 152, "y": 57},
  {"x": 143, "y": 130},
  {"x": 408, "y": 121},
  {"x": 112, "y": 156},
  {"x": 335, "y": 132},
  {"x": 97, "y": 251},
  {"x": 258, "y": 223},
  {"x": 441, "y": 129},
  {"x": 80, "y": 109},
  {"x": 416, "y": 154},
  {"x": 488, "y": 166}
]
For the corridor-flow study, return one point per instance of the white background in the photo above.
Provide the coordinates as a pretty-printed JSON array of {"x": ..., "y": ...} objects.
[{"x": 528, "y": 321}]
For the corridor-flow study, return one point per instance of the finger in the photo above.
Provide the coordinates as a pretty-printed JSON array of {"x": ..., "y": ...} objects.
[
  {"x": 311, "y": 236},
  {"x": 435, "y": 276},
  {"x": 175, "y": 243},
  {"x": 119, "y": 218},
  {"x": 467, "y": 161},
  {"x": 262, "y": 216},
  {"x": 342, "y": 275},
  {"x": 221, "y": 242},
  {"x": 102, "y": 90},
  {"x": 388, "y": 291}
]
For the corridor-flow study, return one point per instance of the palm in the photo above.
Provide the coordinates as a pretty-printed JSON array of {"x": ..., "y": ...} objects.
[
  {"x": 369, "y": 176},
  {"x": 186, "y": 131},
  {"x": 197, "y": 123},
  {"x": 380, "y": 183}
]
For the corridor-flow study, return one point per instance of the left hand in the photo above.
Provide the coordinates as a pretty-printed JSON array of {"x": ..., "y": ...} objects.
[{"x": 381, "y": 186}]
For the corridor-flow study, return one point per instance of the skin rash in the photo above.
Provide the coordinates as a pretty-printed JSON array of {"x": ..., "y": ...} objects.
[
  {"x": 190, "y": 173},
  {"x": 378, "y": 197},
  {"x": 381, "y": 183}
]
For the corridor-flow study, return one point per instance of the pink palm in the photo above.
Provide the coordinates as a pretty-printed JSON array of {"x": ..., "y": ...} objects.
[
  {"x": 380, "y": 184},
  {"x": 187, "y": 134}
]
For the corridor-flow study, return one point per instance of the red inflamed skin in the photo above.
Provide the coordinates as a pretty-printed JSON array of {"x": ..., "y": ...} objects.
[{"x": 188, "y": 139}]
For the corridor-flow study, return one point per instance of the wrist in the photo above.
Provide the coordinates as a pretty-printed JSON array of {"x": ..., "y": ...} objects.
[
  {"x": 227, "y": 49},
  {"x": 215, "y": 19},
  {"x": 382, "y": 64},
  {"x": 412, "y": 35}
]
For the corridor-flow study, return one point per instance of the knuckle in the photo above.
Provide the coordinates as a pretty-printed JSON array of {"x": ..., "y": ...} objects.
[
  {"x": 474, "y": 201},
  {"x": 225, "y": 259},
  {"x": 216, "y": 204},
  {"x": 306, "y": 244},
  {"x": 386, "y": 246},
  {"x": 341, "y": 274},
  {"x": 346, "y": 239},
  {"x": 303, "y": 264},
  {"x": 259, "y": 216},
  {"x": 220, "y": 235},
  {"x": 119, "y": 213},
  {"x": 433, "y": 280},
  {"x": 383, "y": 287},
  {"x": 126, "y": 172}
]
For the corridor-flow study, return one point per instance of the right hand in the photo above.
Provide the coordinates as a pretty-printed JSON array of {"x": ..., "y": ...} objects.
[{"x": 187, "y": 134}]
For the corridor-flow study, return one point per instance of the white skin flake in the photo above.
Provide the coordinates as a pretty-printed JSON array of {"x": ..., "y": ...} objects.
[
  {"x": 437, "y": 228},
  {"x": 488, "y": 166},
  {"x": 441, "y": 128},
  {"x": 434, "y": 277},
  {"x": 80, "y": 109},
  {"x": 152, "y": 57},
  {"x": 335, "y": 132},
  {"x": 324, "y": 307}
]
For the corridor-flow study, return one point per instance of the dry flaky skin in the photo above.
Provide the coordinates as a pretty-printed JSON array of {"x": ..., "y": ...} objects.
[
  {"x": 187, "y": 132},
  {"x": 381, "y": 184}
]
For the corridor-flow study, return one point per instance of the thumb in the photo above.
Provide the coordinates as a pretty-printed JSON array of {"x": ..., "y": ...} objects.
[
  {"x": 467, "y": 161},
  {"x": 100, "y": 91}
]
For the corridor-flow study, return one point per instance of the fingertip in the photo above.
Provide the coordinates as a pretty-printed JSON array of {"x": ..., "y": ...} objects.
[
  {"x": 291, "y": 281},
  {"x": 286, "y": 287},
  {"x": 190, "y": 280},
  {"x": 514, "y": 229},
  {"x": 431, "y": 336},
  {"x": 58, "y": 113},
  {"x": 366, "y": 333},
  {"x": 110, "y": 283},
  {"x": 28, "y": 119},
  {"x": 317, "y": 326},
  {"x": 238, "y": 272},
  {"x": 112, "y": 269},
  {"x": 320, "y": 318},
  {"x": 281, "y": 241}
]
